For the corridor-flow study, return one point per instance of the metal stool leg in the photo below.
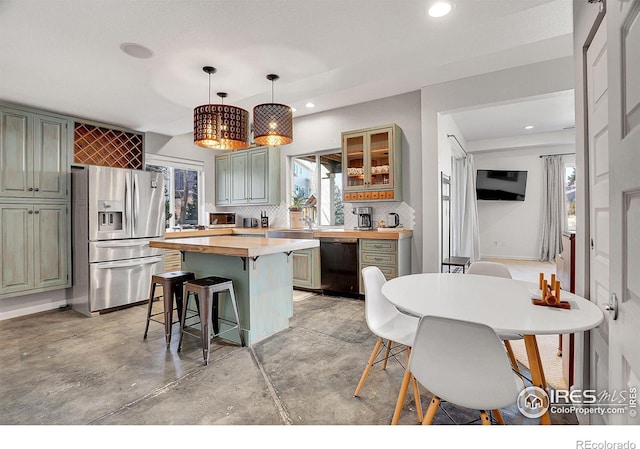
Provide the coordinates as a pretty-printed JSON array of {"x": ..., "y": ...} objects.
[
  {"x": 216, "y": 323},
  {"x": 235, "y": 312},
  {"x": 183, "y": 320},
  {"x": 167, "y": 296},
  {"x": 205, "y": 323},
  {"x": 151, "y": 294}
]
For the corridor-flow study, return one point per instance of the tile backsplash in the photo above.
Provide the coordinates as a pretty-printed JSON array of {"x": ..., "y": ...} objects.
[{"x": 279, "y": 214}]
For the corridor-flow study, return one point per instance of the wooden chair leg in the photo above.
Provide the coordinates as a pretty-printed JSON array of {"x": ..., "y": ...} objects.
[
  {"x": 416, "y": 396},
  {"x": 386, "y": 355},
  {"x": 431, "y": 411},
  {"x": 401, "y": 396},
  {"x": 365, "y": 373},
  {"x": 512, "y": 356},
  {"x": 498, "y": 416},
  {"x": 484, "y": 416}
]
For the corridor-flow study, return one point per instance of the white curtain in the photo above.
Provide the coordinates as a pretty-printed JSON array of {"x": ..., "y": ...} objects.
[
  {"x": 465, "y": 230},
  {"x": 554, "y": 216}
]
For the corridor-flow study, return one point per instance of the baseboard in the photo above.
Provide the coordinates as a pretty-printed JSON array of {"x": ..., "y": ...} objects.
[
  {"x": 534, "y": 259},
  {"x": 33, "y": 309}
]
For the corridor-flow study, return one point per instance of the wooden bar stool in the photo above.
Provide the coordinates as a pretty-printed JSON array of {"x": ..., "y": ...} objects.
[
  {"x": 172, "y": 285},
  {"x": 206, "y": 292}
]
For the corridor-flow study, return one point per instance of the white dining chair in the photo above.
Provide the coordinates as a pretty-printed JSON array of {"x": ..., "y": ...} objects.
[
  {"x": 390, "y": 326},
  {"x": 473, "y": 370},
  {"x": 497, "y": 269}
]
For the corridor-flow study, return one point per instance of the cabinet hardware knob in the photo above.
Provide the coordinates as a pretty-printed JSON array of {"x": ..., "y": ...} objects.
[
  {"x": 36, "y": 189},
  {"x": 37, "y": 212},
  {"x": 30, "y": 189},
  {"x": 30, "y": 212}
]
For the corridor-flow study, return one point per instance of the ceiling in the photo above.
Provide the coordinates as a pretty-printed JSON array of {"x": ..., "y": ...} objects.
[
  {"x": 551, "y": 113},
  {"x": 65, "y": 55}
]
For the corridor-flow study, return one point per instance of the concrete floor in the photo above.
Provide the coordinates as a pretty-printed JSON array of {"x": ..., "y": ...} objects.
[{"x": 60, "y": 368}]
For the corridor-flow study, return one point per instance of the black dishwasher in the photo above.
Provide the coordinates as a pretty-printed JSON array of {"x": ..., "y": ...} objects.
[{"x": 339, "y": 266}]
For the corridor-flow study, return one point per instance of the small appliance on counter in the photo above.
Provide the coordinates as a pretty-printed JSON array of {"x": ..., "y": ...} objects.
[
  {"x": 393, "y": 220},
  {"x": 264, "y": 220},
  {"x": 364, "y": 218},
  {"x": 250, "y": 222},
  {"x": 222, "y": 220}
]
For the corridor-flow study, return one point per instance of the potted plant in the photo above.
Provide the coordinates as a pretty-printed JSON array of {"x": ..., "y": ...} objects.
[{"x": 295, "y": 210}]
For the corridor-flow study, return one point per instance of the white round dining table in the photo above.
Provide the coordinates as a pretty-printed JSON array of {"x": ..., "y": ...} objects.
[{"x": 502, "y": 304}]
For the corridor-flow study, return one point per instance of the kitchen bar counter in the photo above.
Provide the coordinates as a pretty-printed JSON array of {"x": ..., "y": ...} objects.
[
  {"x": 227, "y": 245},
  {"x": 261, "y": 270},
  {"x": 387, "y": 234}
]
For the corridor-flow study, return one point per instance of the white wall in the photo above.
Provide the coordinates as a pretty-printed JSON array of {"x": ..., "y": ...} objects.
[
  {"x": 505, "y": 85},
  {"x": 511, "y": 229},
  {"x": 322, "y": 131}
]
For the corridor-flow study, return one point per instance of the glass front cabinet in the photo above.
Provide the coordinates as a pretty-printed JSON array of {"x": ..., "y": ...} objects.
[{"x": 371, "y": 161}]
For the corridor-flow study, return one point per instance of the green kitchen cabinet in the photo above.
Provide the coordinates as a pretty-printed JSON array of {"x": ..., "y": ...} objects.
[
  {"x": 372, "y": 164},
  {"x": 248, "y": 177},
  {"x": 392, "y": 257},
  {"x": 222, "y": 180},
  {"x": 33, "y": 154},
  {"x": 306, "y": 268},
  {"x": 34, "y": 248}
]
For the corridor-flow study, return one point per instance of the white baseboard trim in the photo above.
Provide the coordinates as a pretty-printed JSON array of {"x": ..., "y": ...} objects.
[
  {"x": 484, "y": 257},
  {"x": 33, "y": 309}
]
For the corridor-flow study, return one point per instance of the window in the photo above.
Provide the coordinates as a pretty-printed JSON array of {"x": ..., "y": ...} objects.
[
  {"x": 183, "y": 180},
  {"x": 570, "y": 191},
  {"x": 320, "y": 175}
]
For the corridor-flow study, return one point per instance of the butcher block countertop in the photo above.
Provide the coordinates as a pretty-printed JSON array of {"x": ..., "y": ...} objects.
[
  {"x": 232, "y": 246},
  {"x": 387, "y": 234}
]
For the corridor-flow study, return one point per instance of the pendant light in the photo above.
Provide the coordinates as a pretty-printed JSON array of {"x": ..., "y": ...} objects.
[
  {"x": 272, "y": 122},
  {"x": 205, "y": 120},
  {"x": 232, "y": 125}
]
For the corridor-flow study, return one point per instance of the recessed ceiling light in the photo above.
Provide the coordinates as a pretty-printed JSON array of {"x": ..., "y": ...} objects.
[
  {"x": 310, "y": 105},
  {"x": 136, "y": 50},
  {"x": 528, "y": 127},
  {"x": 440, "y": 9}
]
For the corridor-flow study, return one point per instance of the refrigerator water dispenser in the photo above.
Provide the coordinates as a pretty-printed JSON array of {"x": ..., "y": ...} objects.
[{"x": 110, "y": 215}]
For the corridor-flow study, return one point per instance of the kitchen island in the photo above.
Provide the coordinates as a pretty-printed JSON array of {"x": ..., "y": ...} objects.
[{"x": 261, "y": 271}]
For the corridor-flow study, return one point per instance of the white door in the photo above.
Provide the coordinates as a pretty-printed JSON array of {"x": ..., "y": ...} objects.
[
  {"x": 623, "y": 17},
  {"x": 598, "y": 142}
]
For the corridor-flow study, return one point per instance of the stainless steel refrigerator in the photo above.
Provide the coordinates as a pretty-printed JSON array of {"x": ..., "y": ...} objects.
[{"x": 115, "y": 212}]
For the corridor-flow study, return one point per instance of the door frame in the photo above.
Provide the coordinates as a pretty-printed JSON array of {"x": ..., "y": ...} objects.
[{"x": 586, "y": 21}]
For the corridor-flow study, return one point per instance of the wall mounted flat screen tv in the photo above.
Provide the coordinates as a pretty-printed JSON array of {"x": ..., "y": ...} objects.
[{"x": 501, "y": 185}]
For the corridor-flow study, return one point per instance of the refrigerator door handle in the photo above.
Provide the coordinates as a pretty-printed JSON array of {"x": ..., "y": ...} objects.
[
  {"x": 127, "y": 264},
  {"x": 126, "y": 205},
  {"x": 135, "y": 205},
  {"x": 115, "y": 244}
]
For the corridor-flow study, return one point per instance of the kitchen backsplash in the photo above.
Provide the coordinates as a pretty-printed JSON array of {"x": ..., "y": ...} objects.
[{"x": 279, "y": 215}]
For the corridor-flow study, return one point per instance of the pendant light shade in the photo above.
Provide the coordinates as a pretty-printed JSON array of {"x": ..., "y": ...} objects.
[
  {"x": 232, "y": 126},
  {"x": 272, "y": 122},
  {"x": 205, "y": 120}
]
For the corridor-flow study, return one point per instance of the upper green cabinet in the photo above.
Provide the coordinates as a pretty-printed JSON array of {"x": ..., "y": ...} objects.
[
  {"x": 248, "y": 177},
  {"x": 33, "y": 155},
  {"x": 371, "y": 161}
]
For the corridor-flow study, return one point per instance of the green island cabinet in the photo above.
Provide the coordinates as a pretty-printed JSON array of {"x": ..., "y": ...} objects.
[
  {"x": 306, "y": 268},
  {"x": 393, "y": 257},
  {"x": 372, "y": 164},
  {"x": 35, "y": 229},
  {"x": 248, "y": 177}
]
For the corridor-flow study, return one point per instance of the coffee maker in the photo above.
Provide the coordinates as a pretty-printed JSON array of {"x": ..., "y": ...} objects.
[{"x": 364, "y": 218}]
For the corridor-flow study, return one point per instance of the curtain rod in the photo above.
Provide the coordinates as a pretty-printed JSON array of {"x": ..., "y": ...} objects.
[
  {"x": 559, "y": 154},
  {"x": 463, "y": 150}
]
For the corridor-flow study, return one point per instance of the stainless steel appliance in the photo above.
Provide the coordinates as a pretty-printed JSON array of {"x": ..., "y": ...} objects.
[
  {"x": 339, "y": 266},
  {"x": 223, "y": 220},
  {"x": 393, "y": 220},
  {"x": 364, "y": 218},
  {"x": 250, "y": 222},
  {"x": 115, "y": 213}
]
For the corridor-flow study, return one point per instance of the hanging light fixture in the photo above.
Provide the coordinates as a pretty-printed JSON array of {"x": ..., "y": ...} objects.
[
  {"x": 272, "y": 122},
  {"x": 205, "y": 120},
  {"x": 232, "y": 125}
]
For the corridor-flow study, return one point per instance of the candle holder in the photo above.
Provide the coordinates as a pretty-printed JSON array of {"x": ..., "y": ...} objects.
[{"x": 550, "y": 293}]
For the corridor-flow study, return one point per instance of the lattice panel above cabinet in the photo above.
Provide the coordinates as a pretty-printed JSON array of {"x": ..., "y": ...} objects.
[{"x": 95, "y": 145}]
